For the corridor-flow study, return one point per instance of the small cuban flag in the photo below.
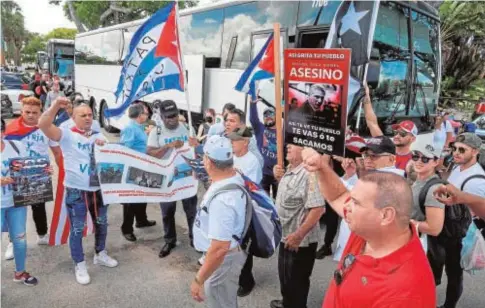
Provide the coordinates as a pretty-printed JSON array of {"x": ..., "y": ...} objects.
[
  {"x": 153, "y": 62},
  {"x": 262, "y": 67}
]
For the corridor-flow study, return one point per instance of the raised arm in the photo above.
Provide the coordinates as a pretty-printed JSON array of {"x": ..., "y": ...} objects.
[
  {"x": 46, "y": 121},
  {"x": 256, "y": 123},
  {"x": 370, "y": 115},
  {"x": 331, "y": 188}
]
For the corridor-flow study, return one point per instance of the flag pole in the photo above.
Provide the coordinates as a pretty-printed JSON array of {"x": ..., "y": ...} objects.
[
  {"x": 359, "y": 113},
  {"x": 277, "y": 82},
  {"x": 182, "y": 62}
]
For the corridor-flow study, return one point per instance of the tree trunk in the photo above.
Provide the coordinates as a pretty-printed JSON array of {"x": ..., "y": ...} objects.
[{"x": 72, "y": 11}]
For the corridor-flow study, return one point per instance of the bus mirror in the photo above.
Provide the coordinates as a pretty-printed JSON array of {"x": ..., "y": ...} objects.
[{"x": 374, "y": 69}]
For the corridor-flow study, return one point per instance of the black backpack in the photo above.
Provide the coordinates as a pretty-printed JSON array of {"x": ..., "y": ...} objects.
[{"x": 457, "y": 217}]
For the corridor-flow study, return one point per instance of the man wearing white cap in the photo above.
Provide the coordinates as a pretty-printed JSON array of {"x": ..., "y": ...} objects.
[{"x": 219, "y": 221}]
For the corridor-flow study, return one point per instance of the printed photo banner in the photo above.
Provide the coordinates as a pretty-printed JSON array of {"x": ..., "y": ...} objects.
[
  {"x": 127, "y": 176},
  {"x": 316, "y": 90}
]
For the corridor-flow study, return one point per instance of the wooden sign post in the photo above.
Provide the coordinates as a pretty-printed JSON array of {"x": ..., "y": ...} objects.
[{"x": 277, "y": 87}]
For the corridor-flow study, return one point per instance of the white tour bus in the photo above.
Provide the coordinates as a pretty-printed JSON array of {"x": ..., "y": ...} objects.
[{"x": 219, "y": 40}]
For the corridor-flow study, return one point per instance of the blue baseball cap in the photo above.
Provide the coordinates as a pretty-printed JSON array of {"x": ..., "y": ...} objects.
[{"x": 218, "y": 148}]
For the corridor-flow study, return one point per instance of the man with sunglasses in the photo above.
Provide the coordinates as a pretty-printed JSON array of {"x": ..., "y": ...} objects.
[
  {"x": 404, "y": 136},
  {"x": 383, "y": 263},
  {"x": 161, "y": 141},
  {"x": 469, "y": 176},
  {"x": 82, "y": 193},
  {"x": 265, "y": 133}
]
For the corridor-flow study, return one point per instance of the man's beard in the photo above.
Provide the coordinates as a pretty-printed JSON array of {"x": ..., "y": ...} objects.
[{"x": 269, "y": 124}]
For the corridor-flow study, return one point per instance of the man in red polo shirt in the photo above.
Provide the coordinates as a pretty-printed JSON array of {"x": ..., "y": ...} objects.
[
  {"x": 404, "y": 135},
  {"x": 383, "y": 264}
]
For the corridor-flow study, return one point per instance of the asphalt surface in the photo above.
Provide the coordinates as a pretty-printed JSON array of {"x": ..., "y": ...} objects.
[{"x": 144, "y": 280}]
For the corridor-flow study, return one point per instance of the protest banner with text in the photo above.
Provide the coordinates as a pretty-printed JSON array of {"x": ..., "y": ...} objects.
[
  {"x": 316, "y": 89},
  {"x": 127, "y": 176}
]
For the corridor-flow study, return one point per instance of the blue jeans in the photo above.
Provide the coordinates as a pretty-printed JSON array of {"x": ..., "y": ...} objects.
[
  {"x": 78, "y": 202},
  {"x": 15, "y": 219}
]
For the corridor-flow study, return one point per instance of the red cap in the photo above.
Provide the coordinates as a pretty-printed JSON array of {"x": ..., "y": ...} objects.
[{"x": 407, "y": 126}]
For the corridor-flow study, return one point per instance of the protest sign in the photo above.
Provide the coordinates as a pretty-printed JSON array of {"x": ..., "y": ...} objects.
[
  {"x": 33, "y": 183},
  {"x": 316, "y": 89},
  {"x": 127, "y": 176}
]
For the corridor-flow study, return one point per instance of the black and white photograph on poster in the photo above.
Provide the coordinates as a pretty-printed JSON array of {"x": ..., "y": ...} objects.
[
  {"x": 315, "y": 103},
  {"x": 180, "y": 171},
  {"x": 110, "y": 173},
  {"x": 143, "y": 178},
  {"x": 33, "y": 183}
]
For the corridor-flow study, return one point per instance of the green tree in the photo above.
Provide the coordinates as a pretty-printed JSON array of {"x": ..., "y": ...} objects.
[
  {"x": 13, "y": 28},
  {"x": 89, "y": 15},
  {"x": 61, "y": 33},
  {"x": 35, "y": 43}
]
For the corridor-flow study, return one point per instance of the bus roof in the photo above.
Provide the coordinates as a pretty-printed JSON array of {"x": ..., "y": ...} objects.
[
  {"x": 418, "y": 5},
  {"x": 60, "y": 41}
]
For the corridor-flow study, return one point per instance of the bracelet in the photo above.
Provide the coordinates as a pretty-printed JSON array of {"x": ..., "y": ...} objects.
[{"x": 197, "y": 281}]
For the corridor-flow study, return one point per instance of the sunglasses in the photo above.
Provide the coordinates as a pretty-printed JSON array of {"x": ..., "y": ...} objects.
[
  {"x": 171, "y": 116},
  {"x": 460, "y": 150},
  {"x": 424, "y": 159},
  {"x": 340, "y": 273},
  {"x": 401, "y": 133}
]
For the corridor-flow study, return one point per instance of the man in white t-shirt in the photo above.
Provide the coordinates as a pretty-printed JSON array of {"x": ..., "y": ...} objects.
[
  {"x": 465, "y": 152},
  {"x": 25, "y": 130},
  {"x": 245, "y": 161},
  {"x": 161, "y": 141},
  {"x": 82, "y": 190},
  {"x": 221, "y": 218}
]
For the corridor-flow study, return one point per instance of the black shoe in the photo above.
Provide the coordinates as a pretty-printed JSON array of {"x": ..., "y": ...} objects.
[
  {"x": 148, "y": 223},
  {"x": 166, "y": 249},
  {"x": 241, "y": 292},
  {"x": 323, "y": 252},
  {"x": 192, "y": 243},
  {"x": 130, "y": 237},
  {"x": 277, "y": 303}
]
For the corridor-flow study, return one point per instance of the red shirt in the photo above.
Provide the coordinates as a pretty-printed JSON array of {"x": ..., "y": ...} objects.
[
  {"x": 402, "y": 279},
  {"x": 402, "y": 161}
]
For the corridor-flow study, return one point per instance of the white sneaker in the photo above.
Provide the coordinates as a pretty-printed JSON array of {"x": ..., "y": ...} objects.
[
  {"x": 9, "y": 251},
  {"x": 43, "y": 240},
  {"x": 82, "y": 275},
  {"x": 102, "y": 258}
]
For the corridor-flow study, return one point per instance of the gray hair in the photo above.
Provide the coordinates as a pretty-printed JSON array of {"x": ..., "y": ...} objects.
[
  {"x": 135, "y": 111},
  {"x": 222, "y": 164},
  {"x": 392, "y": 191}
]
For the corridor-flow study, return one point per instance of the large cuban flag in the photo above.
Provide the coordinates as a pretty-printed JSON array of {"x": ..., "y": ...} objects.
[
  {"x": 153, "y": 62},
  {"x": 262, "y": 67}
]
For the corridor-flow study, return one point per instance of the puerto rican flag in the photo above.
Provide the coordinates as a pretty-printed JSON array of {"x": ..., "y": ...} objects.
[
  {"x": 262, "y": 67},
  {"x": 153, "y": 63}
]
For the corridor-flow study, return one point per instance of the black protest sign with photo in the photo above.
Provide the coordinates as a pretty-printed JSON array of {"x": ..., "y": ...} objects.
[
  {"x": 33, "y": 183},
  {"x": 316, "y": 89}
]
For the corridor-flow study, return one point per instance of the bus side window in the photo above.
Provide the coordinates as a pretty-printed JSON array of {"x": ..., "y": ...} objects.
[{"x": 230, "y": 52}]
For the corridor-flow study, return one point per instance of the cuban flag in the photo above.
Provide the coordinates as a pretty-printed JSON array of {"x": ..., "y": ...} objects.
[
  {"x": 153, "y": 62},
  {"x": 17, "y": 130},
  {"x": 262, "y": 67}
]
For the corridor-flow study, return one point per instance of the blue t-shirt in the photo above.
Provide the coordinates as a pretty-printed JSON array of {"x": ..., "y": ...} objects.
[
  {"x": 134, "y": 137},
  {"x": 266, "y": 139},
  {"x": 225, "y": 215}
]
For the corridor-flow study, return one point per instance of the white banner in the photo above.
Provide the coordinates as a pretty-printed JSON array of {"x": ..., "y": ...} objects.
[{"x": 127, "y": 176}]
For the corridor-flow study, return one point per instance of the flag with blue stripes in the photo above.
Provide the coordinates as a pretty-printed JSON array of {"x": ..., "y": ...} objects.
[
  {"x": 262, "y": 67},
  {"x": 153, "y": 62}
]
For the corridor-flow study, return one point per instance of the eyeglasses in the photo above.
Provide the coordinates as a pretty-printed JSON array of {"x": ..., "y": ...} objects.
[
  {"x": 460, "y": 150},
  {"x": 373, "y": 156},
  {"x": 339, "y": 274},
  {"x": 424, "y": 159},
  {"x": 400, "y": 133}
]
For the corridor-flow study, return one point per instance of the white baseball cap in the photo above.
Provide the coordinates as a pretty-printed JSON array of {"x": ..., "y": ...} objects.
[{"x": 218, "y": 148}]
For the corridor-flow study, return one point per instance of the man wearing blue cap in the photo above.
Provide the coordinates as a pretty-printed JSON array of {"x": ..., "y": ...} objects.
[{"x": 220, "y": 219}]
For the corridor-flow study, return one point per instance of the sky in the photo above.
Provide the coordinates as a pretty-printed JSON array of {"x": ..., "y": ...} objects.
[{"x": 42, "y": 17}]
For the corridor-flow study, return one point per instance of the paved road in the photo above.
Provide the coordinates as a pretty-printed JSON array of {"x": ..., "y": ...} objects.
[{"x": 144, "y": 280}]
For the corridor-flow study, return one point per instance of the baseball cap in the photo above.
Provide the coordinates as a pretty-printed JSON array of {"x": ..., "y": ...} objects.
[
  {"x": 426, "y": 149},
  {"x": 407, "y": 126},
  {"x": 379, "y": 145},
  {"x": 470, "y": 139},
  {"x": 218, "y": 148},
  {"x": 269, "y": 112},
  {"x": 240, "y": 133},
  {"x": 168, "y": 108}
]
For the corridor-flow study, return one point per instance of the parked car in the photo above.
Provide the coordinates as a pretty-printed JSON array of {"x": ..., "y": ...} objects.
[
  {"x": 15, "y": 81},
  {"x": 7, "y": 111},
  {"x": 15, "y": 96},
  {"x": 480, "y": 123}
]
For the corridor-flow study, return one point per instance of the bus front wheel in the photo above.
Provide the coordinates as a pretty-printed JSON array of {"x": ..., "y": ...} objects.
[{"x": 105, "y": 122}]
